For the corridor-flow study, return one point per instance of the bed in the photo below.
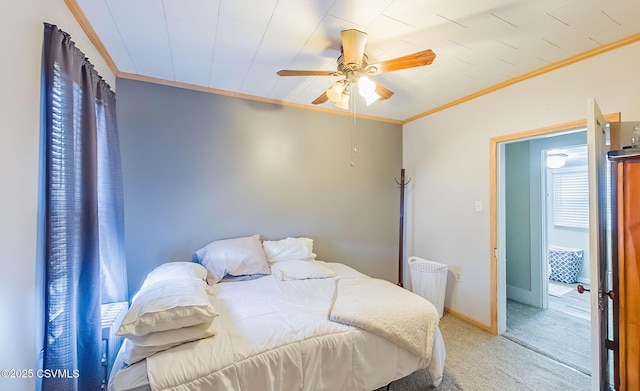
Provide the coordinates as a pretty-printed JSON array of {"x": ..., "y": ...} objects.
[{"x": 296, "y": 327}]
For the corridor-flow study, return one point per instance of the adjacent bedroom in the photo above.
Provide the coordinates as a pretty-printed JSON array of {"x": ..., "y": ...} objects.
[{"x": 287, "y": 195}]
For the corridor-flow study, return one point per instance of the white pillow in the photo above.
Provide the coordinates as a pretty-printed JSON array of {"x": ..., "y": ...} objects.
[
  {"x": 168, "y": 337},
  {"x": 167, "y": 305},
  {"x": 289, "y": 249},
  {"x": 163, "y": 340},
  {"x": 177, "y": 270},
  {"x": 237, "y": 257},
  {"x": 296, "y": 270}
]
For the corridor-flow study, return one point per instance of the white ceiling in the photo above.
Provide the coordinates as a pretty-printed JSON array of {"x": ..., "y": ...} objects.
[{"x": 239, "y": 45}]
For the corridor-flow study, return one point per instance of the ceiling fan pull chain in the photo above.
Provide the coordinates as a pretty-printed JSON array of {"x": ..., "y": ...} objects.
[{"x": 354, "y": 149}]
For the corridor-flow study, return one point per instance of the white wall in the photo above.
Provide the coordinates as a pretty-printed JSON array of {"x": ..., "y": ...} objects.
[
  {"x": 447, "y": 155},
  {"x": 21, "y": 26}
]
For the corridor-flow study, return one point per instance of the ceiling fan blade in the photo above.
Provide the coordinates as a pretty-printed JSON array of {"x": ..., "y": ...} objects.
[
  {"x": 418, "y": 59},
  {"x": 321, "y": 99},
  {"x": 289, "y": 72},
  {"x": 353, "y": 42},
  {"x": 384, "y": 92}
]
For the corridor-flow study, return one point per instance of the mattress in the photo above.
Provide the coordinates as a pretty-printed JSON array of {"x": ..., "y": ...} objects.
[{"x": 276, "y": 335}]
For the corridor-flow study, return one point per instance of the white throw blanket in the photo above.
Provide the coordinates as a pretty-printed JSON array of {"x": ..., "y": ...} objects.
[{"x": 388, "y": 311}]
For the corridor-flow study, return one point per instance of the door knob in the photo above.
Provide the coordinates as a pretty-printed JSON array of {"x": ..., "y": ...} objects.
[{"x": 581, "y": 289}]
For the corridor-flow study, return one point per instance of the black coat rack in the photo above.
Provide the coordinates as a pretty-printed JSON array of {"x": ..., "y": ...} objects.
[{"x": 403, "y": 184}]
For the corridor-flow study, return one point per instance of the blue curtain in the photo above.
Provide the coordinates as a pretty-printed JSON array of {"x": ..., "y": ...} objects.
[{"x": 84, "y": 262}]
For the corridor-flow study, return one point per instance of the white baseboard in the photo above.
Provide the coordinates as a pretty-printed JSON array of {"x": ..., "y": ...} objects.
[
  {"x": 585, "y": 281},
  {"x": 518, "y": 294}
]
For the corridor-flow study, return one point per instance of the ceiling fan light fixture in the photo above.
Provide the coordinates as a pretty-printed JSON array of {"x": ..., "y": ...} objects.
[
  {"x": 367, "y": 90},
  {"x": 343, "y": 103},
  {"x": 370, "y": 97},
  {"x": 334, "y": 93},
  {"x": 365, "y": 85},
  {"x": 353, "y": 65}
]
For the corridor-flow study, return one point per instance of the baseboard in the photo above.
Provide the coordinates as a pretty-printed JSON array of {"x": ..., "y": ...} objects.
[
  {"x": 468, "y": 319},
  {"x": 585, "y": 281},
  {"x": 518, "y": 294}
]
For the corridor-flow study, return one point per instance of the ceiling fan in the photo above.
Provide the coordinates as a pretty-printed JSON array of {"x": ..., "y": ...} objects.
[{"x": 353, "y": 65}]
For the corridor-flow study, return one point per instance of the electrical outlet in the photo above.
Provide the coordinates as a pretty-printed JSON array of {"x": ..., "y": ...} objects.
[{"x": 455, "y": 270}]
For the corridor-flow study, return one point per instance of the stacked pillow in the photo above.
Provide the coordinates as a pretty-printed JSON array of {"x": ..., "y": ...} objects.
[
  {"x": 285, "y": 258},
  {"x": 289, "y": 249},
  {"x": 234, "y": 257},
  {"x": 171, "y": 308}
]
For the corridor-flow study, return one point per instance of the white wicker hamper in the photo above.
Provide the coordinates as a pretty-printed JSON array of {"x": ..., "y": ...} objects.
[{"x": 429, "y": 280}]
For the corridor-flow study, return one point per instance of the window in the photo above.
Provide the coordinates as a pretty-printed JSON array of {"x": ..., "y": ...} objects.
[
  {"x": 83, "y": 250},
  {"x": 571, "y": 198}
]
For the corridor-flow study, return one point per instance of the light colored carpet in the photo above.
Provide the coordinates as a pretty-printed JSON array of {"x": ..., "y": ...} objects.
[
  {"x": 563, "y": 337},
  {"x": 477, "y": 360}
]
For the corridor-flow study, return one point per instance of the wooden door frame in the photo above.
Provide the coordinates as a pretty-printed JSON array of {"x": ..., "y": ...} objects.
[{"x": 613, "y": 118}]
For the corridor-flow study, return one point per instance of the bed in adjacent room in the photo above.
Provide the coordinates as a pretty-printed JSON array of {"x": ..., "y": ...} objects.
[{"x": 298, "y": 324}]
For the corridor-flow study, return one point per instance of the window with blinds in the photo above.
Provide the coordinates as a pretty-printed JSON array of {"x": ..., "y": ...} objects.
[
  {"x": 63, "y": 191},
  {"x": 82, "y": 220},
  {"x": 571, "y": 199}
]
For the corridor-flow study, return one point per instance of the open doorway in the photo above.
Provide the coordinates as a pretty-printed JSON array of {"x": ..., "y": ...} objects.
[
  {"x": 545, "y": 243},
  {"x": 566, "y": 228},
  {"x": 599, "y": 243}
]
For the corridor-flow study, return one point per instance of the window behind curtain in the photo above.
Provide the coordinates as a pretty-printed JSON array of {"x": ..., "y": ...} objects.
[
  {"x": 83, "y": 255},
  {"x": 113, "y": 277}
]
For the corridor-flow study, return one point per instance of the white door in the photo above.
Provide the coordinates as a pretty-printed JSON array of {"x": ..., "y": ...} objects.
[{"x": 597, "y": 155}]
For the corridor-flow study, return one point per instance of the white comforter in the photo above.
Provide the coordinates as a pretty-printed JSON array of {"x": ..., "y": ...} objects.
[{"x": 276, "y": 335}]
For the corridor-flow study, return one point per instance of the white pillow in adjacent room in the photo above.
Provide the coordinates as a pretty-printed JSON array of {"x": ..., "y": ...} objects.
[{"x": 237, "y": 257}]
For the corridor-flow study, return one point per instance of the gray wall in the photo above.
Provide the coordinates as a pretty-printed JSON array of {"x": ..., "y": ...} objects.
[{"x": 199, "y": 167}]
